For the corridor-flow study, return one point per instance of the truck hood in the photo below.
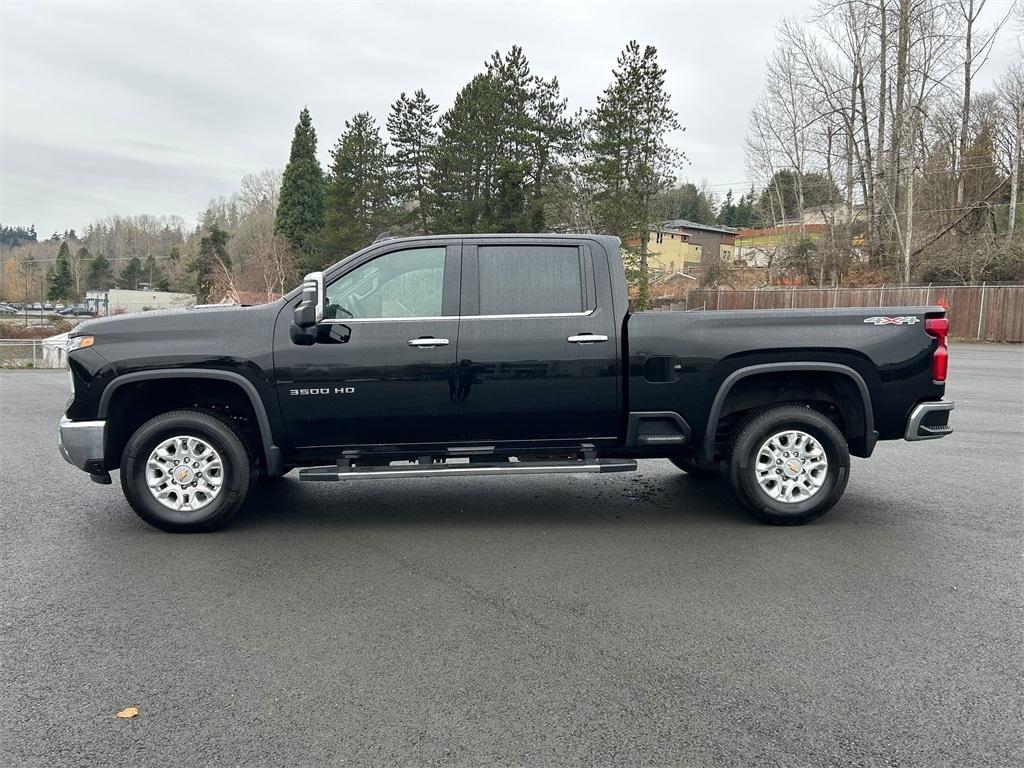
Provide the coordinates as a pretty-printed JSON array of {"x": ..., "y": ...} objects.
[
  {"x": 198, "y": 321},
  {"x": 228, "y": 336}
]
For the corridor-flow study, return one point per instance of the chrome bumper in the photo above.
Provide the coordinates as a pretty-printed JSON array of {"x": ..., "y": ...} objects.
[
  {"x": 938, "y": 424},
  {"x": 81, "y": 443}
]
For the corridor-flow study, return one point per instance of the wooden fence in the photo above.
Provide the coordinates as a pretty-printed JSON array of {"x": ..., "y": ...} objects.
[{"x": 982, "y": 312}]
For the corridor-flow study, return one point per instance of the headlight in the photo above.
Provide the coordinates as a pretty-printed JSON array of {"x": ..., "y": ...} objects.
[{"x": 80, "y": 342}]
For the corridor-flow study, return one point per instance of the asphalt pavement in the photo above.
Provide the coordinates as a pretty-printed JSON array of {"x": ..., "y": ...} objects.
[{"x": 616, "y": 620}]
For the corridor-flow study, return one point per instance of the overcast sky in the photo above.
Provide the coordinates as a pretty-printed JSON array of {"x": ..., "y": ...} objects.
[{"x": 159, "y": 107}]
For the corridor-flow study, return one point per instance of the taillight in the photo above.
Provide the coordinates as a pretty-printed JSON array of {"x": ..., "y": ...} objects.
[{"x": 939, "y": 328}]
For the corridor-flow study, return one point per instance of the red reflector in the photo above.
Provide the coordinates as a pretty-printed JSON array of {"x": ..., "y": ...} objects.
[
  {"x": 939, "y": 328},
  {"x": 940, "y": 363}
]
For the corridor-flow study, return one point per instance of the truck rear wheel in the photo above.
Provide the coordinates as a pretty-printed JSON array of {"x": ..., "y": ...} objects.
[
  {"x": 788, "y": 465},
  {"x": 187, "y": 471}
]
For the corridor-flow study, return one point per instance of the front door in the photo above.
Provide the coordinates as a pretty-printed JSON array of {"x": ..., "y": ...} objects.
[
  {"x": 538, "y": 352},
  {"x": 382, "y": 371}
]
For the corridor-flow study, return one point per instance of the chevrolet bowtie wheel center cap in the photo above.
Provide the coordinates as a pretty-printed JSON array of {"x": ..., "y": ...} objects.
[
  {"x": 184, "y": 473},
  {"x": 791, "y": 466}
]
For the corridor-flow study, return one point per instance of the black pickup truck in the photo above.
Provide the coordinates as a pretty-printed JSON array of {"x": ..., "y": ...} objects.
[{"x": 492, "y": 354}]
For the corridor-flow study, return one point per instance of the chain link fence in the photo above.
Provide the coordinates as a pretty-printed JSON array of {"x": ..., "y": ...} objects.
[{"x": 32, "y": 353}]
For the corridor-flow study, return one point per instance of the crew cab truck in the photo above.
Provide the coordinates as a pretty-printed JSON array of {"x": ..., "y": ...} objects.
[{"x": 493, "y": 354}]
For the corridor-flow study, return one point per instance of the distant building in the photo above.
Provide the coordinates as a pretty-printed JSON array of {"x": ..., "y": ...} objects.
[
  {"x": 836, "y": 214},
  {"x": 673, "y": 246},
  {"x": 115, "y": 301}
]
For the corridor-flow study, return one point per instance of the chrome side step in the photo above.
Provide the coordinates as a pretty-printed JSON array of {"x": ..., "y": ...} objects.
[{"x": 343, "y": 471}]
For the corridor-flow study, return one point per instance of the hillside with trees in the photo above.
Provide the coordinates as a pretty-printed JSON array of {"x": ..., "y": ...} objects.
[{"x": 869, "y": 120}]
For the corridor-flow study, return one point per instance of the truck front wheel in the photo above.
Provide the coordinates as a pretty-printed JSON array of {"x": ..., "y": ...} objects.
[
  {"x": 788, "y": 465},
  {"x": 187, "y": 471}
]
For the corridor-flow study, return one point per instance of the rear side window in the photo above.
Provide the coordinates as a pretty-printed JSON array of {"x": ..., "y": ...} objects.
[{"x": 530, "y": 279}]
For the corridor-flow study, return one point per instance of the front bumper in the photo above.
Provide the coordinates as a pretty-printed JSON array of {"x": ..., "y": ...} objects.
[
  {"x": 81, "y": 444},
  {"x": 929, "y": 421}
]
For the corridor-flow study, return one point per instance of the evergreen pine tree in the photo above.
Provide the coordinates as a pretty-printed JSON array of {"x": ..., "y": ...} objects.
[
  {"x": 100, "y": 274},
  {"x": 300, "y": 208},
  {"x": 629, "y": 159},
  {"x": 411, "y": 127},
  {"x": 466, "y": 158},
  {"x": 534, "y": 134},
  {"x": 745, "y": 215},
  {"x": 507, "y": 131},
  {"x": 12, "y": 237},
  {"x": 359, "y": 200},
  {"x": 509, "y": 212},
  {"x": 61, "y": 281},
  {"x": 687, "y": 201},
  {"x": 132, "y": 275},
  {"x": 727, "y": 213}
]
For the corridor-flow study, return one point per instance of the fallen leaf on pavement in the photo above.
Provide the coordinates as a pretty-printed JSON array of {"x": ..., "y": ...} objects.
[{"x": 129, "y": 712}]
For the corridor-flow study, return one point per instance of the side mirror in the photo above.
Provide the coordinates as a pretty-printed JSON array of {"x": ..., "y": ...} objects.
[{"x": 310, "y": 310}]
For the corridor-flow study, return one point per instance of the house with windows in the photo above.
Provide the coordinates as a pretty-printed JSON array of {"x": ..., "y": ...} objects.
[{"x": 674, "y": 246}]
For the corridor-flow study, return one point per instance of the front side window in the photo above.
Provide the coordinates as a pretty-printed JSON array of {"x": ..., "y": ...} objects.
[
  {"x": 530, "y": 279},
  {"x": 398, "y": 284}
]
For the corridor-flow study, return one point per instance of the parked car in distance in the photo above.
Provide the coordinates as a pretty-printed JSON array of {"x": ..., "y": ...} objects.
[
  {"x": 462, "y": 355},
  {"x": 78, "y": 310},
  {"x": 7, "y": 310}
]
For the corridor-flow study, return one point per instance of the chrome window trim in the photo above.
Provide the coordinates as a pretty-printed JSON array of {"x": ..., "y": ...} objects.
[
  {"x": 347, "y": 321},
  {"x": 529, "y": 315},
  {"x": 350, "y": 320}
]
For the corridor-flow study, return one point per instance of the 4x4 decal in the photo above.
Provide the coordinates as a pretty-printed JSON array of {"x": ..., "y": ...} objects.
[{"x": 901, "y": 320}]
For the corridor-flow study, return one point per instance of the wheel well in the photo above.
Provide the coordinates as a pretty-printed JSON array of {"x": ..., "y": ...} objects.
[
  {"x": 834, "y": 395},
  {"x": 131, "y": 405}
]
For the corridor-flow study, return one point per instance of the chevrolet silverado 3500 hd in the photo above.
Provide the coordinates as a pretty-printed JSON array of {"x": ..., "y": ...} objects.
[{"x": 492, "y": 354}]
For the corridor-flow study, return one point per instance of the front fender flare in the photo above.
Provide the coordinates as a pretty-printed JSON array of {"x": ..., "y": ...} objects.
[{"x": 271, "y": 453}]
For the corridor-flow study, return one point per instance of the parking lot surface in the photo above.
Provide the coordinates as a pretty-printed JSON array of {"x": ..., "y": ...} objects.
[{"x": 553, "y": 620}]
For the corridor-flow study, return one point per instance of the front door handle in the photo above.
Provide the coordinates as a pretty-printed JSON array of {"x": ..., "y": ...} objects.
[
  {"x": 587, "y": 338},
  {"x": 428, "y": 342}
]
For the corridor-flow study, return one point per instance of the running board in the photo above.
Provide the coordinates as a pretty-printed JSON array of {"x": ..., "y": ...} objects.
[{"x": 343, "y": 472}]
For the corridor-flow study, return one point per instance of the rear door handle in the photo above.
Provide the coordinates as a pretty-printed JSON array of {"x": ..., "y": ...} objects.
[
  {"x": 587, "y": 338},
  {"x": 428, "y": 342}
]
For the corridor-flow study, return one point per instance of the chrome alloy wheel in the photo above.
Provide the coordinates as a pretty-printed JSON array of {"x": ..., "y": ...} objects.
[
  {"x": 184, "y": 473},
  {"x": 791, "y": 466}
]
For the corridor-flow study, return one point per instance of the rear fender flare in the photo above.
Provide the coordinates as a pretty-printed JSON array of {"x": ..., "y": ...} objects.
[{"x": 708, "y": 444}]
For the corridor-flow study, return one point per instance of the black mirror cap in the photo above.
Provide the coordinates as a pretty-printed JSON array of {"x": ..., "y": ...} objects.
[{"x": 304, "y": 337}]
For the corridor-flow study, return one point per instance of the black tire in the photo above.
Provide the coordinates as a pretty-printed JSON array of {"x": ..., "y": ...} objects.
[
  {"x": 752, "y": 434},
  {"x": 239, "y": 470},
  {"x": 691, "y": 466}
]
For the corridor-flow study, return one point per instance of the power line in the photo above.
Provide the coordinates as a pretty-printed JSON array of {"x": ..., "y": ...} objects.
[{"x": 745, "y": 185}]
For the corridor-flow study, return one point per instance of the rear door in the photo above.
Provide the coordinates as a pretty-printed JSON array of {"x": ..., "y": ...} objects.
[{"x": 538, "y": 350}]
